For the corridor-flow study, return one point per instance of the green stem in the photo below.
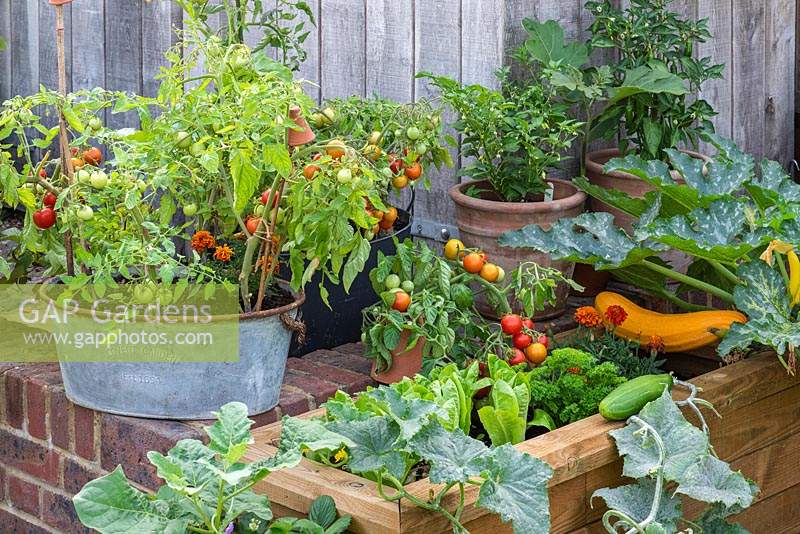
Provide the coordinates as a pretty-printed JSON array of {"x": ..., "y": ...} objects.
[
  {"x": 502, "y": 301},
  {"x": 782, "y": 267},
  {"x": 725, "y": 272},
  {"x": 689, "y": 281},
  {"x": 688, "y": 306}
]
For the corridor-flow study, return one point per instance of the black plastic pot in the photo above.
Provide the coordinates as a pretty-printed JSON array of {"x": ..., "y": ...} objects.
[{"x": 327, "y": 328}]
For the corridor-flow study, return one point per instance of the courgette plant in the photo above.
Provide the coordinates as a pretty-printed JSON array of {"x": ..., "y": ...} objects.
[
  {"x": 724, "y": 214},
  {"x": 659, "y": 447}
]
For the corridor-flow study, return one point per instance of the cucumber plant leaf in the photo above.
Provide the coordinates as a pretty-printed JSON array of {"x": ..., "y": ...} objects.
[
  {"x": 636, "y": 500},
  {"x": 516, "y": 489},
  {"x": 377, "y": 445},
  {"x": 452, "y": 455},
  {"x": 711, "y": 480}
]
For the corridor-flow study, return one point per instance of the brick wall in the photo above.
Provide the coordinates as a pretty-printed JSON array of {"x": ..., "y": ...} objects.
[{"x": 50, "y": 448}]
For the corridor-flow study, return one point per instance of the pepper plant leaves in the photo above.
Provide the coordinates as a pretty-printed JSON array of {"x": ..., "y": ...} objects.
[
  {"x": 546, "y": 44},
  {"x": 376, "y": 445},
  {"x": 684, "y": 443},
  {"x": 516, "y": 489},
  {"x": 647, "y": 79},
  {"x": 588, "y": 238},
  {"x": 711, "y": 480},
  {"x": 636, "y": 500},
  {"x": 452, "y": 455},
  {"x": 764, "y": 298}
]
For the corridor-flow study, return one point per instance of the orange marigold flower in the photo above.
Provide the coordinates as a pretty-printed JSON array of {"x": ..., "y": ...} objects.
[
  {"x": 202, "y": 241},
  {"x": 655, "y": 344},
  {"x": 223, "y": 253},
  {"x": 588, "y": 317},
  {"x": 574, "y": 370},
  {"x": 616, "y": 314}
]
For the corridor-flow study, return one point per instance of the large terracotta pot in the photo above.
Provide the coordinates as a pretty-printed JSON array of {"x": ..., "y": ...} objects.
[
  {"x": 481, "y": 221},
  {"x": 621, "y": 181},
  {"x": 405, "y": 363}
]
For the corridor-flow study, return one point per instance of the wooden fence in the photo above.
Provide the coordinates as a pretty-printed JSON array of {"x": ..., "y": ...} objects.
[{"x": 367, "y": 47}]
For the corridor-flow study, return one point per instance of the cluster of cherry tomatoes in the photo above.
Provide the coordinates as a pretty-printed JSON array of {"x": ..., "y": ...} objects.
[
  {"x": 522, "y": 333},
  {"x": 474, "y": 262},
  {"x": 45, "y": 217},
  {"x": 402, "y": 291},
  {"x": 402, "y": 172}
]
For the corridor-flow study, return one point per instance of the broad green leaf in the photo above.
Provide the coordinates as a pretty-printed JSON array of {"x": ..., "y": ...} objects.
[
  {"x": 613, "y": 197},
  {"x": 647, "y": 79},
  {"x": 773, "y": 186},
  {"x": 714, "y": 179},
  {"x": 505, "y": 420},
  {"x": 377, "y": 445},
  {"x": 453, "y": 456},
  {"x": 247, "y": 502},
  {"x": 245, "y": 178},
  {"x": 764, "y": 298},
  {"x": 170, "y": 471},
  {"x": 230, "y": 433},
  {"x": 355, "y": 262},
  {"x": 26, "y": 197},
  {"x": 711, "y": 233},
  {"x": 310, "y": 434},
  {"x": 713, "y": 481},
  {"x": 546, "y": 44},
  {"x": 111, "y": 505},
  {"x": 323, "y": 511},
  {"x": 588, "y": 238},
  {"x": 516, "y": 489},
  {"x": 278, "y": 157},
  {"x": 543, "y": 419},
  {"x": 684, "y": 443},
  {"x": 191, "y": 455},
  {"x": 636, "y": 501},
  {"x": 408, "y": 413},
  {"x": 713, "y": 521}
]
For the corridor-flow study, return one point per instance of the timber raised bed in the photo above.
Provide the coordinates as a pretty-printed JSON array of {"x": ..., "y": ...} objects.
[{"x": 759, "y": 434}]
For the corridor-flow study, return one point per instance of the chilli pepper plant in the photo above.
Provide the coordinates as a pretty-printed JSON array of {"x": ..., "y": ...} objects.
[
  {"x": 724, "y": 214},
  {"x": 512, "y": 136},
  {"x": 428, "y": 298},
  {"x": 644, "y": 99},
  {"x": 402, "y": 140}
]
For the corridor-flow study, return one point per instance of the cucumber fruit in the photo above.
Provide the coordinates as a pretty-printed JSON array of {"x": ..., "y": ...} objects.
[{"x": 630, "y": 397}]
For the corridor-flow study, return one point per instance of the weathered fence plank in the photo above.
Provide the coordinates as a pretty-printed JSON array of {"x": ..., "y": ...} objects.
[
  {"x": 48, "y": 55},
  {"x": 24, "y": 45},
  {"x": 390, "y": 50},
  {"x": 5, "y": 56},
  {"x": 343, "y": 47},
  {"x": 310, "y": 69},
  {"x": 160, "y": 18},
  {"x": 123, "y": 54},
  {"x": 749, "y": 102},
  {"x": 719, "y": 93},
  {"x": 780, "y": 79},
  {"x": 88, "y": 44}
]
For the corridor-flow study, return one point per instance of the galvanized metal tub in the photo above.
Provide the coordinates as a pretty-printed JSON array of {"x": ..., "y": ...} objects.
[{"x": 192, "y": 390}]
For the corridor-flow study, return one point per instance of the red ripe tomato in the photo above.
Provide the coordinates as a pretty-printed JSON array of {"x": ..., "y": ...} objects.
[
  {"x": 49, "y": 200},
  {"x": 265, "y": 197},
  {"x": 527, "y": 323},
  {"x": 42, "y": 173},
  {"x": 252, "y": 224},
  {"x": 44, "y": 218},
  {"x": 74, "y": 151},
  {"x": 93, "y": 156},
  {"x": 401, "y": 301},
  {"x": 414, "y": 171},
  {"x": 511, "y": 324},
  {"x": 518, "y": 358},
  {"x": 521, "y": 341},
  {"x": 544, "y": 340},
  {"x": 396, "y": 164}
]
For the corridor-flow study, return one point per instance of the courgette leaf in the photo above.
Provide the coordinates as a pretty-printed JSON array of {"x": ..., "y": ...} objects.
[{"x": 636, "y": 500}]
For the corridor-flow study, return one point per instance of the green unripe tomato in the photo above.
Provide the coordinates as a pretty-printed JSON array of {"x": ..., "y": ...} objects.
[
  {"x": 83, "y": 176},
  {"x": 280, "y": 216},
  {"x": 141, "y": 185},
  {"x": 421, "y": 149},
  {"x": 190, "y": 209},
  {"x": 318, "y": 120},
  {"x": 398, "y": 133},
  {"x": 85, "y": 213},
  {"x": 143, "y": 294},
  {"x": 328, "y": 115},
  {"x": 95, "y": 123},
  {"x": 197, "y": 148},
  {"x": 258, "y": 211},
  {"x": 375, "y": 138},
  {"x": 392, "y": 282},
  {"x": 407, "y": 286},
  {"x": 98, "y": 179},
  {"x": 413, "y": 133},
  {"x": 344, "y": 176},
  {"x": 183, "y": 140}
]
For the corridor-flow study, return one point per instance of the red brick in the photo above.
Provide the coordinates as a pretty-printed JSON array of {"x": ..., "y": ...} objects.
[
  {"x": 347, "y": 380},
  {"x": 36, "y": 393},
  {"x": 76, "y": 475},
  {"x": 15, "y": 378},
  {"x": 126, "y": 440},
  {"x": 321, "y": 390},
  {"x": 23, "y": 495},
  {"x": 16, "y": 525},
  {"x": 84, "y": 432},
  {"x": 350, "y": 357},
  {"x": 293, "y": 401},
  {"x": 59, "y": 418},
  {"x": 59, "y": 512},
  {"x": 266, "y": 418},
  {"x": 29, "y": 456}
]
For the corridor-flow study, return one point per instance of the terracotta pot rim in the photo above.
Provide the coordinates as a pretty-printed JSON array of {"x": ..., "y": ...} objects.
[
  {"x": 605, "y": 154},
  {"x": 571, "y": 201}
]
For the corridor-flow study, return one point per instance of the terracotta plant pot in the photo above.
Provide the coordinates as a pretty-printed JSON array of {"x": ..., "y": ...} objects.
[
  {"x": 405, "y": 363},
  {"x": 592, "y": 281},
  {"x": 481, "y": 221},
  {"x": 621, "y": 181}
]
